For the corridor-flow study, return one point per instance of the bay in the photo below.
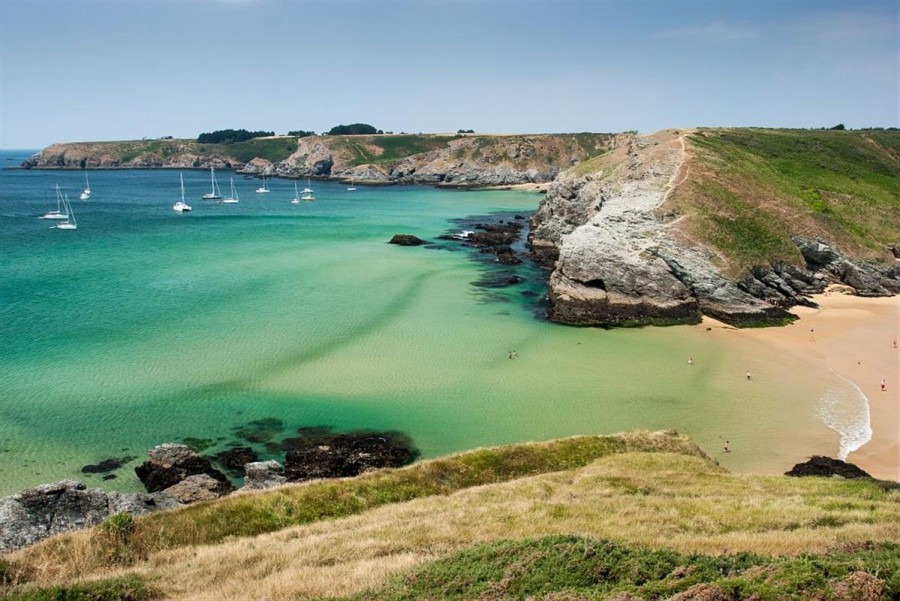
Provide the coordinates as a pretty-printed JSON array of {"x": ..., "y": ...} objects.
[{"x": 145, "y": 326}]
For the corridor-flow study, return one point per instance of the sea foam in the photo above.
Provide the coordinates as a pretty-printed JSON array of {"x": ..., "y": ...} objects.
[{"x": 845, "y": 409}]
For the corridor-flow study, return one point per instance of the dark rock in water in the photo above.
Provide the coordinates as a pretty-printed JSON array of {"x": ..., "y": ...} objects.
[
  {"x": 406, "y": 240},
  {"x": 236, "y": 459},
  {"x": 171, "y": 463},
  {"x": 343, "y": 455},
  {"x": 109, "y": 477},
  {"x": 260, "y": 430},
  {"x": 37, "y": 513},
  {"x": 826, "y": 466},
  {"x": 107, "y": 465}
]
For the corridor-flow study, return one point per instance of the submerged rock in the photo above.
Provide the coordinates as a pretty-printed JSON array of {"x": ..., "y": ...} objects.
[
  {"x": 236, "y": 459},
  {"x": 343, "y": 455},
  {"x": 171, "y": 463},
  {"x": 37, "y": 513}
]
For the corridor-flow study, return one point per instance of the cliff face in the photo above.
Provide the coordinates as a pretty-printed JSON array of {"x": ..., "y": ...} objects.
[
  {"x": 622, "y": 254},
  {"x": 453, "y": 161}
]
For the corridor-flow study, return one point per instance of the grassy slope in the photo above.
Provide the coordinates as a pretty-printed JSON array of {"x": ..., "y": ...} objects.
[
  {"x": 749, "y": 190},
  {"x": 602, "y": 488}
]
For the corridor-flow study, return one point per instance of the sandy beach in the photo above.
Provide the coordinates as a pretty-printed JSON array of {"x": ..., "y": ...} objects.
[{"x": 855, "y": 338}]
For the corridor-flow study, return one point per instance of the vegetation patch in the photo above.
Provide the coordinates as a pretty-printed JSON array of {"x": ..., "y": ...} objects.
[
  {"x": 752, "y": 189},
  {"x": 572, "y": 567}
]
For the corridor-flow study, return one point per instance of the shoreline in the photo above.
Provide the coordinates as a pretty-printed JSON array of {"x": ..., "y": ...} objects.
[{"x": 853, "y": 338}]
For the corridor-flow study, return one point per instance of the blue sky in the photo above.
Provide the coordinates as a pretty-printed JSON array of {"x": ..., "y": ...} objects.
[{"x": 104, "y": 70}]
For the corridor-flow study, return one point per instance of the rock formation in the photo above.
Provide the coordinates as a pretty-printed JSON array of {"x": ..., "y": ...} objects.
[
  {"x": 171, "y": 463},
  {"x": 198, "y": 487},
  {"x": 826, "y": 467},
  {"x": 617, "y": 261},
  {"x": 260, "y": 475},
  {"x": 406, "y": 240},
  {"x": 37, "y": 513}
]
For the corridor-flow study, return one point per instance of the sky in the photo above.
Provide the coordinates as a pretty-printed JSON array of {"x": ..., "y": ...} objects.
[{"x": 103, "y": 70}]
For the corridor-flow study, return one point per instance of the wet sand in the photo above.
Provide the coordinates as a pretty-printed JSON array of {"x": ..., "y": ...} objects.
[{"x": 853, "y": 337}]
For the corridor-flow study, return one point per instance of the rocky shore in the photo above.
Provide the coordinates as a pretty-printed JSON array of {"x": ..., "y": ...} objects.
[
  {"x": 176, "y": 475},
  {"x": 461, "y": 161}
]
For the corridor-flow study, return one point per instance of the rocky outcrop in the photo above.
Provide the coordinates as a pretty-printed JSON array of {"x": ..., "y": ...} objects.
[
  {"x": 37, "y": 513},
  {"x": 617, "y": 261},
  {"x": 261, "y": 475},
  {"x": 171, "y": 463},
  {"x": 343, "y": 455},
  {"x": 406, "y": 240},
  {"x": 826, "y": 467}
]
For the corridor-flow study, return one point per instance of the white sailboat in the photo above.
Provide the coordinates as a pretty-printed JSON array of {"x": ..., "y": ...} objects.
[
  {"x": 215, "y": 193},
  {"x": 264, "y": 188},
  {"x": 68, "y": 224},
  {"x": 58, "y": 213},
  {"x": 87, "y": 187},
  {"x": 181, "y": 206},
  {"x": 296, "y": 199},
  {"x": 307, "y": 192},
  {"x": 233, "y": 197}
]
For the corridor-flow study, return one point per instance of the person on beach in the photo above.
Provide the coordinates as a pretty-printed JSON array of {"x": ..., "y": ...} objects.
[
  {"x": 748, "y": 374},
  {"x": 726, "y": 448},
  {"x": 690, "y": 360},
  {"x": 883, "y": 386},
  {"x": 509, "y": 354}
]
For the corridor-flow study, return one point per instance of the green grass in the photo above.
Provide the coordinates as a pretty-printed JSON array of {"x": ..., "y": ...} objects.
[
  {"x": 127, "y": 588},
  {"x": 393, "y": 148},
  {"x": 271, "y": 149},
  {"x": 572, "y": 567},
  {"x": 759, "y": 186}
]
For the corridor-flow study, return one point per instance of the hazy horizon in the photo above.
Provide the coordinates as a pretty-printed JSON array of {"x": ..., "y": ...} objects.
[{"x": 93, "y": 71}]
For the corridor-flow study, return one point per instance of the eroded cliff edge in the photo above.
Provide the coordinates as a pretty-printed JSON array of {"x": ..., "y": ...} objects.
[{"x": 668, "y": 227}]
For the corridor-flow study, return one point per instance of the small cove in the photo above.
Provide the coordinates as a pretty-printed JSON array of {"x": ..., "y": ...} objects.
[{"x": 145, "y": 326}]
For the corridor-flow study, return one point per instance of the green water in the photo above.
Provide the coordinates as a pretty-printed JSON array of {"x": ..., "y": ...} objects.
[{"x": 145, "y": 326}]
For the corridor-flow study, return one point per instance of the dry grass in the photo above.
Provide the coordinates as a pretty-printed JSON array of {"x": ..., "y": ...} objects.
[{"x": 657, "y": 500}]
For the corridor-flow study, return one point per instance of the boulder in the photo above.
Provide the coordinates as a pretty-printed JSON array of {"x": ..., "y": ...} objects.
[
  {"x": 406, "y": 240},
  {"x": 37, "y": 513},
  {"x": 171, "y": 463},
  {"x": 199, "y": 487},
  {"x": 260, "y": 475},
  {"x": 827, "y": 467}
]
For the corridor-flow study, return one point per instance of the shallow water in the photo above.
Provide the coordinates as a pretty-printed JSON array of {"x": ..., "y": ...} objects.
[{"x": 145, "y": 326}]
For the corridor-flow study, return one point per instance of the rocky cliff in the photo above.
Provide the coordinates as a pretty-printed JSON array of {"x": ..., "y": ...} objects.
[
  {"x": 620, "y": 235},
  {"x": 454, "y": 161}
]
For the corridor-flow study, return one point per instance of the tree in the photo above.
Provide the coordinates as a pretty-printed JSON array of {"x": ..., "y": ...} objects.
[
  {"x": 354, "y": 129},
  {"x": 230, "y": 136},
  {"x": 839, "y": 126}
]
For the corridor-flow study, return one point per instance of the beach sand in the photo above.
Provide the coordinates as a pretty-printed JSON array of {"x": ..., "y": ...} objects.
[{"x": 854, "y": 338}]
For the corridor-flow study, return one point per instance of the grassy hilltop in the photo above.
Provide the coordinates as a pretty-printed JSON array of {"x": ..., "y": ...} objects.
[
  {"x": 647, "y": 514},
  {"x": 749, "y": 190}
]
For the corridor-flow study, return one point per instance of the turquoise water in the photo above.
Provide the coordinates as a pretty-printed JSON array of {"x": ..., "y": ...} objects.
[{"x": 145, "y": 326}]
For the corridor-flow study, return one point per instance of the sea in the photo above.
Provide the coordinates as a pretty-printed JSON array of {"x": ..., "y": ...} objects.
[{"x": 239, "y": 324}]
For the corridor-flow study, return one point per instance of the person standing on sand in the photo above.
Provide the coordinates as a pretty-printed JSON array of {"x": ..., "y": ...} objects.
[
  {"x": 883, "y": 386},
  {"x": 748, "y": 374},
  {"x": 726, "y": 448}
]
